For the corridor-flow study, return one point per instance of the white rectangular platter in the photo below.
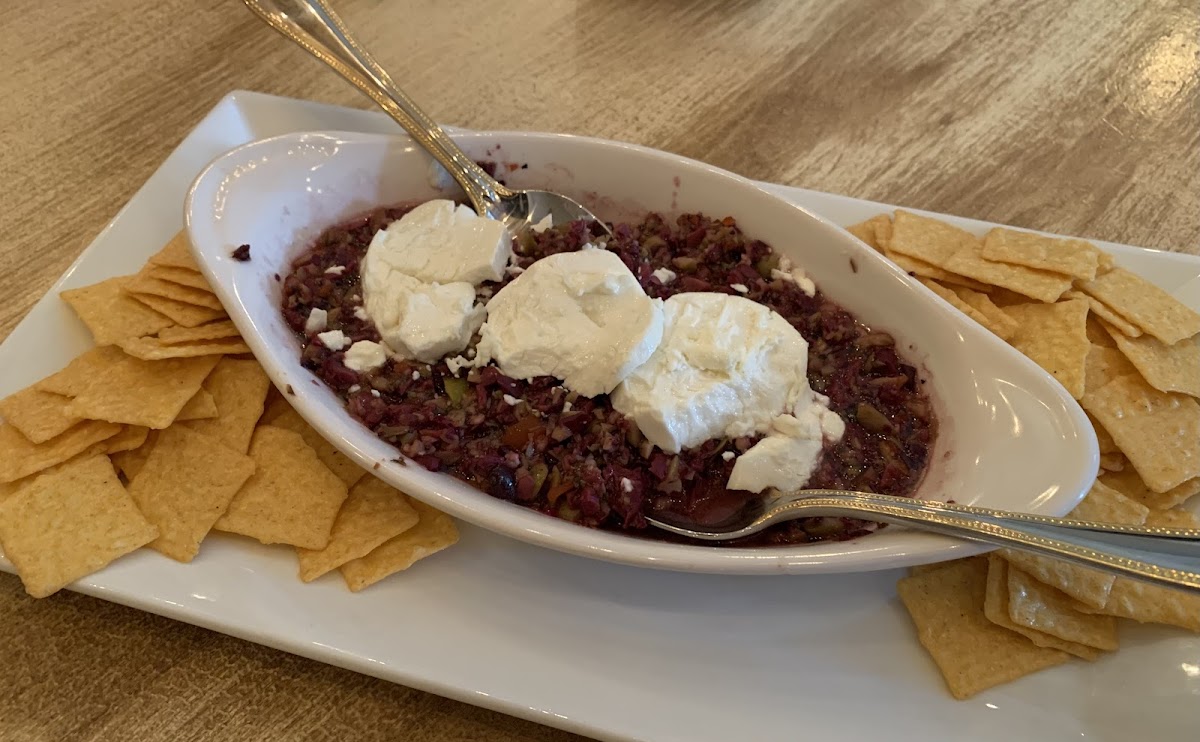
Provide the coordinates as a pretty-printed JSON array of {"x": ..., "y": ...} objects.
[{"x": 607, "y": 651}]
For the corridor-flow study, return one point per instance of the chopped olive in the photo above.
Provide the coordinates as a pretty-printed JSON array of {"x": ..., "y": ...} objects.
[
  {"x": 767, "y": 264},
  {"x": 455, "y": 389},
  {"x": 871, "y": 418}
]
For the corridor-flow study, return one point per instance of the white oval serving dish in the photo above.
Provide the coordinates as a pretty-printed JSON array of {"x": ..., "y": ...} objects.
[{"x": 1010, "y": 436}]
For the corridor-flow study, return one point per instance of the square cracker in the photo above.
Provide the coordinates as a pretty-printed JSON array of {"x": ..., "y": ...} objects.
[
  {"x": 137, "y": 392},
  {"x": 75, "y": 375},
  {"x": 1128, "y": 483},
  {"x": 1053, "y": 612},
  {"x": 996, "y": 608},
  {"x": 112, "y": 315},
  {"x": 154, "y": 349},
  {"x": 1159, "y": 432},
  {"x": 292, "y": 498},
  {"x": 19, "y": 457},
  {"x": 954, "y": 301},
  {"x": 868, "y": 231},
  {"x": 180, "y": 312},
  {"x": 1075, "y": 258},
  {"x": 372, "y": 514},
  {"x": 38, "y": 415},
  {"x": 916, "y": 267},
  {"x": 928, "y": 240},
  {"x": 340, "y": 464},
  {"x": 181, "y": 276},
  {"x": 184, "y": 486},
  {"x": 1089, "y": 586},
  {"x": 998, "y": 320},
  {"x": 69, "y": 523},
  {"x": 1145, "y": 305},
  {"x": 212, "y": 331},
  {"x": 1167, "y": 368},
  {"x": 434, "y": 531},
  {"x": 239, "y": 389},
  {"x": 1147, "y": 603},
  {"x": 177, "y": 253},
  {"x": 1102, "y": 312},
  {"x": 973, "y": 654},
  {"x": 146, "y": 284},
  {"x": 1055, "y": 337},
  {"x": 1036, "y": 284}
]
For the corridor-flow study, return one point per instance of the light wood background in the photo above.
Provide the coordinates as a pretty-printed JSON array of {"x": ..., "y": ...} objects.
[{"x": 1075, "y": 116}]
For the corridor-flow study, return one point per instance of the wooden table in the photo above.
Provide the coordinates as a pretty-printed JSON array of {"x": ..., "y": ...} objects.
[{"x": 1074, "y": 117}]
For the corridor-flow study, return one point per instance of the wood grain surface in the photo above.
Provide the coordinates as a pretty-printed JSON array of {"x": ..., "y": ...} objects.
[{"x": 1074, "y": 116}]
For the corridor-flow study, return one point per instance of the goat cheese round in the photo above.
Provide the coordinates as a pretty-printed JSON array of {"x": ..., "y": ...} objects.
[
  {"x": 729, "y": 366},
  {"x": 441, "y": 242},
  {"x": 581, "y": 317},
  {"x": 419, "y": 278}
]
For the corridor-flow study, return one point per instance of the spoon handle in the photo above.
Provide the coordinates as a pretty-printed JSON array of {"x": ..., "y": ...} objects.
[
  {"x": 314, "y": 26},
  {"x": 1159, "y": 555}
]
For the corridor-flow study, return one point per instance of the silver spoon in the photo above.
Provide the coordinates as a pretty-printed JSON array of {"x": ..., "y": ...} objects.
[
  {"x": 1161, "y": 555},
  {"x": 314, "y": 26}
]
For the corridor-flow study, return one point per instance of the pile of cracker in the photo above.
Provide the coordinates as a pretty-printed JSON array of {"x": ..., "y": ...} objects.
[
  {"x": 1130, "y": 353},
  {"x": 167, "y": 430}
]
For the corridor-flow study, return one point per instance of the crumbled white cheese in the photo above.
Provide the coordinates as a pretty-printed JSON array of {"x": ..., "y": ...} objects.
[
  {"x": 626, "y": 485},
  {"x": 375, "y": 393},
  {"x": 567, "y": 406},
  {"x": 580, "y": 317},
  {"x": 511, "y": 401},
  {"x": 360, "y": 313},
  {"x": 365, "y": 355},
  {"x": 795, "y": 274},
  {"x": 439, "y": 242},
  {"x": 335, "y": 340},
  {"x": 455, "y": 363},
  {"x": 741, "y": 288},
  {"x": 416, "y": 375},
  {"x": 728, "y": 455},
  {"x": 664, "y": 275},
  {"x": 727, "y": 366},
  {"x": 335, "y": 270},
  {"x": 318, "y": 320},
  {"x": 353, "y": 387}
]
